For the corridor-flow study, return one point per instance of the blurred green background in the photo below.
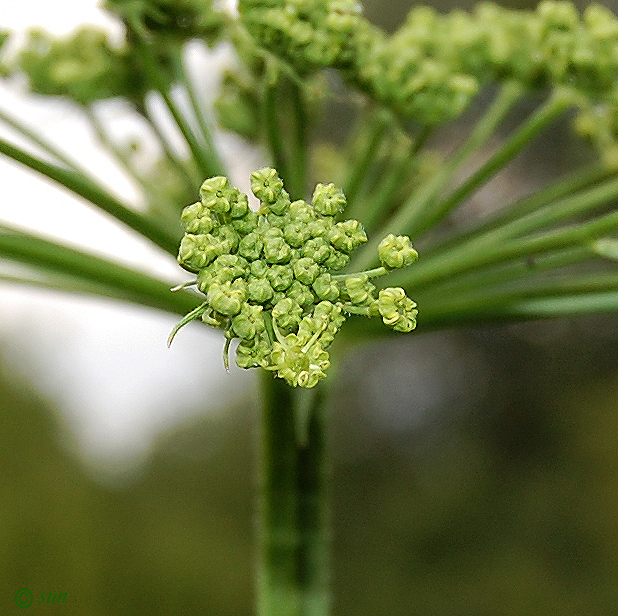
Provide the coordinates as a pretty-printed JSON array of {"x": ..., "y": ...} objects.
[{"x": 474, "y": 473}]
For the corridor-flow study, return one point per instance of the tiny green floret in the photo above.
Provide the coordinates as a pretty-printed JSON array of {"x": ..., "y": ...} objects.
[{"x": 269, "y": 276}]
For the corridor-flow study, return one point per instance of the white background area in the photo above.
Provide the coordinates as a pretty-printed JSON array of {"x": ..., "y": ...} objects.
[{"x": 105, "y": 364}]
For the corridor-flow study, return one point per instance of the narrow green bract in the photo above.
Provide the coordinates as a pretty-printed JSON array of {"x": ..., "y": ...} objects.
[{"x": 268, "y": 276}]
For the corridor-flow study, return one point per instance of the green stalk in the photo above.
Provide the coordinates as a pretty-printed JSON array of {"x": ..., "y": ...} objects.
[
  {"x": 466, "y": 258},
  {"x": 373, "y": 208},
  {"x": 569, "y": 185},
  {"x": 582, "y": 294},
  {"x": 313, "y": 517},
  {"x": 191, "y": 180},
  {"x": 512, "y": 146},
  {"x": 300, "y": 142},
  {"x": 410, "y": 215},
  {"x": 92, "y": 274},
  {"x": 481, "y": 249},
  {"x": 37, "y": 140},
  {"x": 376, "y": 124},
  {"x": 274, "y": 137},
  {"x": 205, "y": 164},
  {"x": 210, "y": 151},
  {"x": 118, "y": 154},
  {"x": 86, "y": 188},
  {"x": 485, "y": 277},
  {"x": 278, "y": 592}
]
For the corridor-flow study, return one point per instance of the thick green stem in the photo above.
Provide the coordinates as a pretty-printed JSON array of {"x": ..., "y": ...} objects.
[
  {"x": 278, "y": 592},
  {"x": 314, "y": 513},
  {"x": 293, "y": 564}
]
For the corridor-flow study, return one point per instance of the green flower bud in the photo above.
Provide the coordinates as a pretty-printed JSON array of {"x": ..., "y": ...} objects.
[
  {"x": 225, "y": 299},
  {"x": 259, "y": 269},
  {"x": 287, "y": 314},
  {"x": 276, "y": 221},
  {"x": 300, "y": 293},
  {"x": 396, "y": 309},
  {"x": 205, "y": 277},
  {"x": 281, "y": 205},
  {"x": 328, "y": 200},
  {"x": 227, "y": 238},
  {"x": 396, "y": 251},
  {"x": 217, "y": 194},
  {"x": 254, "y": 353},
  {"x": 319, "y": 227},
  {"x": 306, "y": 270},
  {"x": 326, "y": 318},
  {"x": 299, "y": 363},
  {"x": 359, "y": 289},
  {"x": 259, "y": 290},
  {"x": 336, "y": 260},
  {"x": 249, "y": 322},
  {"x": 296, "y": 233},
  {"x": 247, "y": 223},
  {"x": 197, "y": 251},
  {"x": 346, "y": 236},
  {"x": 280, "y": 277},
  {"x": 229, "y": 267},
  {"x": 266, "y": 185},
  {"x": 301, "y": 212},
  {"x": 196, "y": 219},
  {"x": 326, "y": 288},
  {"x": 251, "y": 246},
  {"x": 240, "y": 207},
  {"x": 317, "y": 249},
  {"x": 276, "y": 250}
]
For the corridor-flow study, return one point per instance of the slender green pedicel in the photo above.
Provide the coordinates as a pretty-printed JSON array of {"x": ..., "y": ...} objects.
[{"x": 268, "y": 275}]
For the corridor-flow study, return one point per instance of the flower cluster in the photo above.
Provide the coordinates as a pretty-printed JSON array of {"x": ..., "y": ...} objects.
[
  {"x": 85, "y": 67},
  {"x": 269, "y": 275},
  {"x": 432, "y": 67},
  {"x": 178, "y": 19},
  {"x": 82, "y": 66}
]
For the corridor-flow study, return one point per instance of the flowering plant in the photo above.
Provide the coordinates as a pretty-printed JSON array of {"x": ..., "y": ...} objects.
[{"x": 282, "y": 279}]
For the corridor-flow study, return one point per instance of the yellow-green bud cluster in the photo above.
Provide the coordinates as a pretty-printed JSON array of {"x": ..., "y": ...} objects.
[
  {"x": 434, "y": 64},
  {"x": 269, "y": 276},
  {"x": 83, "y": 66},
  {"x": 177, "y": 19}
]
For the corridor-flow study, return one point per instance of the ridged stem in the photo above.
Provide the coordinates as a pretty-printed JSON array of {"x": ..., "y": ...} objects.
[{"x": 293, "y": 571}]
